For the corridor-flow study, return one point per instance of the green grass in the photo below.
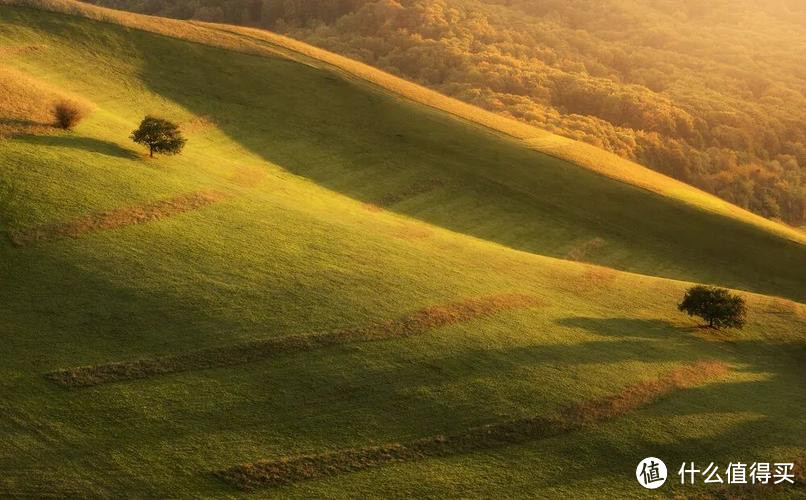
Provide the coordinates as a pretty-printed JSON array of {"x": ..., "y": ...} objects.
[{"x": 306, "y": 154}]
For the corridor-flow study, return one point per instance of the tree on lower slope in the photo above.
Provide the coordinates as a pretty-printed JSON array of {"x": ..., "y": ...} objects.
[{"x": 717, "y": 306}]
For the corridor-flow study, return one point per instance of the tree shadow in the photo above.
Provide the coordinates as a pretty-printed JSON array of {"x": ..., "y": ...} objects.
[
  {"x": 384, "y": 394},
  {"x": 627, "y": 327},
  {"x": 411, "y": 389},
  {"x": 22, "y": 122},
  {"x": 90, "y": 144}
]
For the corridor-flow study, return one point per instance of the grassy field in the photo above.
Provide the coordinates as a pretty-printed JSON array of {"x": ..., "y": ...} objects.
[{"x": 332, "y": 265}]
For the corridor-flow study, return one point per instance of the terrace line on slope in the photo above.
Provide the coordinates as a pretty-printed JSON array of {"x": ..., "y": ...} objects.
[
  {"x": 413, "y": 324},
  {"x": 252, "y": 476},
  {"x": 114, "y": 219}
]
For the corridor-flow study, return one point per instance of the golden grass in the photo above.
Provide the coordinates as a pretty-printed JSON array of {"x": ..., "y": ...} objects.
[
  {"x": 114, "y": 219},
  {"x": 197, "y": 124},
  {"x": 25, "y": 103},
  {"x": 372, "y": 207},
  {"x": 262, "y": 474},
  {"x": 21, "y": 49},
  {"x": 163, "y": 26},
  {"x": 256, "y": 41},
  {"x": 248, "y": 177},
  {"x": 640, "y": 394},
  {"x": 409, "y": 231},
  {"x": 413, "y": 324},
  {"x": 778, "y": 305}
]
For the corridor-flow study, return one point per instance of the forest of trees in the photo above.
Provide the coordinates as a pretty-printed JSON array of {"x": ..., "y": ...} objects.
[{"x": 712, "y": 93}]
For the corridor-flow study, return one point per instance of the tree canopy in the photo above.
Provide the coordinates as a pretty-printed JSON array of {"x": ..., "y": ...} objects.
[
  {"x": 717, "y": 306},
  {"x": 160, "y": 136}
]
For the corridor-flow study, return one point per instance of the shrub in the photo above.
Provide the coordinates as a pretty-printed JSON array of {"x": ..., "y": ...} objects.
[
  {"x": 717, "y": 306},
  {"x": 67, "y": 114}
]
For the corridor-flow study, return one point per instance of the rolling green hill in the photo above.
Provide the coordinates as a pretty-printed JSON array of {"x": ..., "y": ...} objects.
[
  {"x": 711, "y": 93},
  {"x": 342, "y": 260}
]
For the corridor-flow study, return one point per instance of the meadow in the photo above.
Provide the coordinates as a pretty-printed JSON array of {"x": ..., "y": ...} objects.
[{"x": 333, "y": 266}]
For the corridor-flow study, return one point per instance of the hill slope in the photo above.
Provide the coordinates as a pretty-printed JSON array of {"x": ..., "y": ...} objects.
[
  {"x": 711, "y": 93},
  {"x": 508, "y": 194},
  {"x": 312, "y": 201}
]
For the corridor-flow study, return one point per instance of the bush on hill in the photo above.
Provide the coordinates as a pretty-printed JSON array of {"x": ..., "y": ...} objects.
[{"x": 68, "y": 114}]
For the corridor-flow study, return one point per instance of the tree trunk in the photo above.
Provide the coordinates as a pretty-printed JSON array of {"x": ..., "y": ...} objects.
[{"x": 151, "y": 151}]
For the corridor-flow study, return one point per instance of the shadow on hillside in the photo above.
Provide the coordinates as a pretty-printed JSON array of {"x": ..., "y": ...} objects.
[
  {"x": 60, "y": 303},
  {"x": 627, "y": 327},
  {"x": 405, "y": 390},
  {"x": 756, "y": 414},
  {"x": 89, "y": 144},
  {"x": 22, "y": 122},
  {"x": 354, "y": 139},
  {"x": 728, "y": 440}
]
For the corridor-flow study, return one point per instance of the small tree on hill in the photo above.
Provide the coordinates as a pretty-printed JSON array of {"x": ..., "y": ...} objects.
[
  {"x": 717, "y": 306},
  {"x": 67, "y": 114},
  {"x": 160, "y": 136}
]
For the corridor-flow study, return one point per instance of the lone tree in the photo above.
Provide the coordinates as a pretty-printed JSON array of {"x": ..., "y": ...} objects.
[
  {"x": 161, "y": 136},
  {"x": 717, "y": 306},
  {"x": 67, "y": 114}
]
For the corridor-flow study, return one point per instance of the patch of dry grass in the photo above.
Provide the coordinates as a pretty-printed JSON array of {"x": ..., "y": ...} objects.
[
  {"x": 778, "y": 305},
  {"x": 642, "y": 393},
  {"x": 372, "y": 207},
  {"x": 583, "y": 250},
  {"x": 26, "y": 104},
  {"x": 17, "y": 50},
  {"x": 413, "y": 324},
  {"x": 197, "y": 124},
  {"x": 409, "y": 231},
  {"x": 114, "y": 219},
  {"x": 591, "y": 279},
  {"x": 248, "y": 177},
  {"x": 421, "y": 186},
  {"x": 252, "y": 476}
]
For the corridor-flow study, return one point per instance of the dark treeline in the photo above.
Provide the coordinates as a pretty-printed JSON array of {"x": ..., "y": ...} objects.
[{"x": 712, "y": 93}]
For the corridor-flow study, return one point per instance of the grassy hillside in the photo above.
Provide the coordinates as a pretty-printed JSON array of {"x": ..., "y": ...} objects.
[
  {"x": 711, "y": 93},
  {"x": 331, "y": 266}
]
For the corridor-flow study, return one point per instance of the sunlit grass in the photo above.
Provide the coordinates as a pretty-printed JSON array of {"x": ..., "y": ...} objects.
[{"x": 347, "y": 206}]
